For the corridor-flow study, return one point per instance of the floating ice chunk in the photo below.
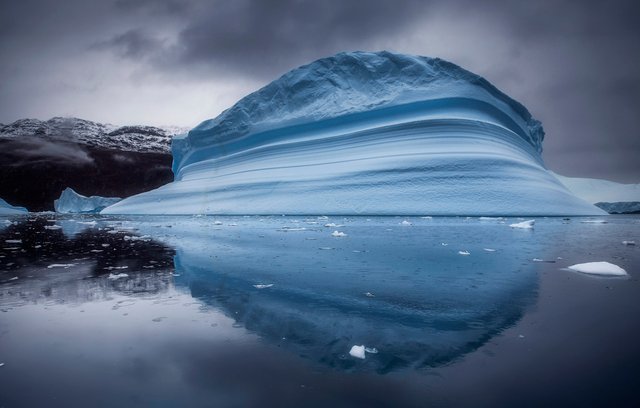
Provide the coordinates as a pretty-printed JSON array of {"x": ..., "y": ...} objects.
[
  {"x": 333, "y": 225},
  {"x": 371, "y": 350},
  {"x": 323, "y": 217},
  {"x": 13, "y": 241},
  {"x": 52, "y": 227},
  {"x": 217, "y": 222},
  {"x": 406, "y": 223},
  {"x": 524, "y": 224},
  {"x": 144, "y": 238},
  {"x": 491, "y": 218},
  {"x": 72, "y": 202},
  {"x": 369, "y": 294},
  {"x": 287, "y": 229},
  {"x": 326, "y": 248},
  {"x": 338, "y": 234},
  {"x": 428, "y": 217},
  {"x": 489, "y": 249},
  {"x": 464, "y": 253},
  {"x": 8, "y": 209},
  {"x": 111, "y": 268},
  {"x": 263, "y": 286},
  {"x": 542, "y": 260},
  {"x": 60, "y": 266},
  {"x": 14, "y": 278},
  {"x": 444, "y": 244},
  {"x": 628, "y": 242},
  {"x": 116, "y": 276},
  {"x": 599, "y": 268},
  {"x": 594, "y": 221},
  {"x": 357, "y": 352}
]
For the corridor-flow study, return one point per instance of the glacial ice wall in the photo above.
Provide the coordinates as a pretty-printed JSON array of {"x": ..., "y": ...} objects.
[
  {"x": 365, "y": 133},
  {"x": 72, "y": 202}
]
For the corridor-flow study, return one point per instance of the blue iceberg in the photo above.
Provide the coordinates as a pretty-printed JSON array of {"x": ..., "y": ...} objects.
[
  {"x": 72, "y": 202},
  {"x": 365, "y": 133},
  {"x": 8, "y": 209}
]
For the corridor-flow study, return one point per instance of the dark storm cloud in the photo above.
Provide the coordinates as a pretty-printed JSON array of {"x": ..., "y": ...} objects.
[{"x": 574, "y": 64}]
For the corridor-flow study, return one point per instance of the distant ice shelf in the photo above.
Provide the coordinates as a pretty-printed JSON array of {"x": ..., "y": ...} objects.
[
  {"x": 8, "y": 209},
  {"x": 72, "y": 202},
  {"x": 365, "y": 133}
]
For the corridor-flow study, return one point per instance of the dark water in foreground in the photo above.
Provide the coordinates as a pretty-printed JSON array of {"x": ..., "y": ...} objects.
[{"x": 263, "y": 311}]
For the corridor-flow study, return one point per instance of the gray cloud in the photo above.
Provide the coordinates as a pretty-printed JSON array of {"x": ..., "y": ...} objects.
[
  {"x": 35, "y": 150},
  {"x": 574, "y": 64}
]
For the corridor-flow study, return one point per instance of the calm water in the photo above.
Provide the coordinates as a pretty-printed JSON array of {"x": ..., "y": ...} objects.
[{"x": 263, "y": 311}]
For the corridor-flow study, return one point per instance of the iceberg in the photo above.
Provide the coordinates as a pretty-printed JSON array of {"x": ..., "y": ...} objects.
[
  {"x": 620, "y": 207},
  {"x": 8, "y": 209},
  {"x": 365, "y": 133},
  {"x": 72, "y": 202}
]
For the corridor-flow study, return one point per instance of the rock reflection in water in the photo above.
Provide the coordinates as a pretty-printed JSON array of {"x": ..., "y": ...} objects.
[{"x": 77, "y": 260}]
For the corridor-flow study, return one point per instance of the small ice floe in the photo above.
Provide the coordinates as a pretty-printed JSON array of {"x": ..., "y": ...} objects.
[
  {"x": 428, "y": 217},
  {"x": 623, "y": 242},
  {"x": 52, "y": 227},
  {"x": 405, "y": 223},
  {"x": 263, "y": 286},
  {"x": 369, "y": 294},
  {"x": 542, "y": 260},
  {"x": 13, "y": 241},
  {"x": 371, "y": 350},
  {"x": 333, "y": 225},
  {"x": 111, "y": 268},
  {"x": 37, "y": 246},
  {"x": 116, "y": 276},
  {"x": 145, "y": 238},
  {"x": 97, "y": 250},
  {"x": 233, "y": 224},
  {"x": 287, "y": 229},
  {"x": 491, "y": 218},
  {"x": 444, "y": 244},
  {"x": 60, "y": 266},
  {"x": 14, "y": 278},
  {"x": 338, "y": 234},
  {"x": 90, "y": 223},
  {"x": 216, "y": 222},
  {"x": 464, "y": 253},
  {"x": 599, "y": 268},
  {"x": 105, "y": 245},
  {"x": 326, "y": 248},
  {"x": 1, "y": 364},
  {"x": 489, "y": 249},
  {"x": 524, "y": 224},
  {"x": 594, "y": 221},
  {"x": 357, "y": 352},
  {"x": 323, "y": 217}
]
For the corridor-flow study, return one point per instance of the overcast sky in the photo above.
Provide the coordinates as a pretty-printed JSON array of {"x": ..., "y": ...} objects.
[{"x": 574, "y": 64}]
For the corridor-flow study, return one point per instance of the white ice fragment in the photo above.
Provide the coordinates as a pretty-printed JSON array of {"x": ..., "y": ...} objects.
[
  {"x": 369, "y": 294},
  {"x": 14, "y": 278},
  {"x": 491, "y": 218},
  {"x": 338, "y": 234},
  {"x": 444, "y": 244},
  {"x": 594, "y": 221},
  {"x": 263, "y": 286},
  {"x": 599, "y": 268},
  {"x": 116, "y": 276},
  {"x": 111, "y": 268},
  {"x": 464, "y": 252},
  {"x": 623, "y": 242},
  {"x": 357, "y": 352},
  {"x": 216, "y": 222},
  {"x": 405, "y": 222},
  {"x": 326, "y": 248},
  {"x": 1, "y": 364},
  {"x": 333, "y": 225},
  {"x": 13, "y": 241},
  {"x": 60, "y": 266},
  {"x": 428, "y": 217},
  {"x": 524, "y": 224},
  {"x": 52, "y": 227},
  {"x": 371, "y": 350},
  {"x": 489, "y": 249}
]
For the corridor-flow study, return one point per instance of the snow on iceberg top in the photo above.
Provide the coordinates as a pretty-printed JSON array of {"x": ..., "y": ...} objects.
[{"x": 350, "y": 83}]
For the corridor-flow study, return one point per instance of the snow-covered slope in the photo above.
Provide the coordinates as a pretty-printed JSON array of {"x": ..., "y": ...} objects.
[
  {"x": 8, "y": 209},
  {"x": 365, "y": 133},
  {"x": 72, "y": 202},
  {"x": 595, "y": 190},
  {"x": 124, "y": 138}
]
